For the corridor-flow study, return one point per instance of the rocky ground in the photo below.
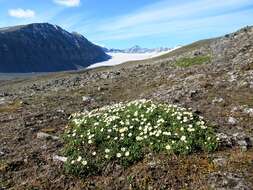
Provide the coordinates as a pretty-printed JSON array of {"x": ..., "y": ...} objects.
[{"x": 34, "y": 112}]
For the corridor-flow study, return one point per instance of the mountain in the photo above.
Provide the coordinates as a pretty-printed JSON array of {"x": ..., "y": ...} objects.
[
  {"x": 42, "y": 47},
  {"x": 136, "y": 49}
]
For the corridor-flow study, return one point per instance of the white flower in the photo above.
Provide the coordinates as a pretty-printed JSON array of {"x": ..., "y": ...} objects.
[
  {"x": 106, "y": 156},
  {"x": 90, "y": 141},
  {"x": 190, "y": 129},
  {"x": 139, "y": 138},
  {"x": 130, "y": 134},
  {"x": 157, "y": 134},
  {"x": 122, "y": 130},
  {"x": 84, "y": 162},
  {"x": 127, "y": 153},
  {"x": 123, "y": 149},
  {"x": 183, "y": 138},
  {"x": 185, "y": 119},
  {"x": 107, "y": 150},
  {"x": 168, "y": 147},
  {"x": 118, "y": 155},
  {"x": 203, "y": 127},
  {"x": 167, "y": 133},
  {"x": 73, "y": 161},
  {"x": 94, "y": 153},
  {"x": 79, "y": 159}
]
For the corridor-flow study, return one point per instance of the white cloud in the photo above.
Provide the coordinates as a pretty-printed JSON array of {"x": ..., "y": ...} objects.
[
  {"x": 164, "y": 11},
  {"x": 21, "y": 13},
  {"x": 168, "y": 18},
  {"x": 68, "y": 3}
]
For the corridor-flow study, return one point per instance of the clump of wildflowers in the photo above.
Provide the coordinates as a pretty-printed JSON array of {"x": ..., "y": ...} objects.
[{"x": 124, "y": 132}]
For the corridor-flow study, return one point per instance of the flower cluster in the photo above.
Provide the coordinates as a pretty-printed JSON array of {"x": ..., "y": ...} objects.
[{"x": 124, "y": 132}]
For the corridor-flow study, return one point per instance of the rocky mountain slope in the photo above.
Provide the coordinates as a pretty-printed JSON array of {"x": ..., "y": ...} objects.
[
  {"x": 44, "y": 47},
  {"x": 212, "y": 77}
]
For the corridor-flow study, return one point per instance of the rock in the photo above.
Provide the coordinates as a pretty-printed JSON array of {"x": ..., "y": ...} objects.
[
  {"x": 224, "y": 140},
  {"x": 60, "y": 111},
  {"x": 242, "y": 140},
  {"x": 1, "y": 153},
  {"x": 4, "y": 94},
  {"x": 243, "y": 145},
  {"x": 220, "y": 161},
  {"x": 217, "y": 100},
  {"x": 59, "y": 158},
  {"x": 42, "y": 135},
  {"x": 248, "y": 111},
  {"x": 2, "y": 101},
  {"x": 227, "y": 181},
  {"x": 87, "y": 99},
  {"x": 232, "y": 121},
  {"x": 235, "y": 109}
]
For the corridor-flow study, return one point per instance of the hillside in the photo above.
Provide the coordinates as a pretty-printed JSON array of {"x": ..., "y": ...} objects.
[
  {"x": 214, "y": 78},
  {"x": 44, "y": 47}
]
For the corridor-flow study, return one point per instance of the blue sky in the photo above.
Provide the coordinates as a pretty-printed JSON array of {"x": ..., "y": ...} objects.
[{"x": 124, "y": 23}]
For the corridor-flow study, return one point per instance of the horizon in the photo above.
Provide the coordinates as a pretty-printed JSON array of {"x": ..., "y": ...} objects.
[{"x": 125, "y": 24}]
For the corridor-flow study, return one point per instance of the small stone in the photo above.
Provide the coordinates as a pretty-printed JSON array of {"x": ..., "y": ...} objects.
[
  {"x": 60, "y": 158},
  {"x": 86, "y": 99},
  {"x": 232, "y": 121},
  {"x": 242, "y": 140},
  {"x": 220, "y": 180},
  {"x": 220, "y": 161},
  {"x": 217, "y": 100},
  {"x": 42, "y": 135},
  {"x": 248, "y": 111},
  {"x": 2, "y": 101},
  {"x": 243, "y": 145},
  {"x": 2, "y": 153},
  {"x": 224, "y": 140}
]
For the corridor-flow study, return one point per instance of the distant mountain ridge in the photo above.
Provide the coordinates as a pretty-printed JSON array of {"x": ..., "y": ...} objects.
[
  {"x": 137, "y": 49},
  {"x": 43, "y": 47}
]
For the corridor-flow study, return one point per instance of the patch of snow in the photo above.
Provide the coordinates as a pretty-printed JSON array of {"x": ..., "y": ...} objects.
[{"x": 119, "y": 58}]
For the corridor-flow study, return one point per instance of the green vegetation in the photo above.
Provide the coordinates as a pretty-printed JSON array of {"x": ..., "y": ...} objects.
[
  {"x": 187, "y": 62},
  {"x": 125, "y": 132},
  {"x": 12, "y": 107}
]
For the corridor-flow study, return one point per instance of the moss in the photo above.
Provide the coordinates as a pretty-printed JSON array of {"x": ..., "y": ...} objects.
[{"x": 187, "y": 62}]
